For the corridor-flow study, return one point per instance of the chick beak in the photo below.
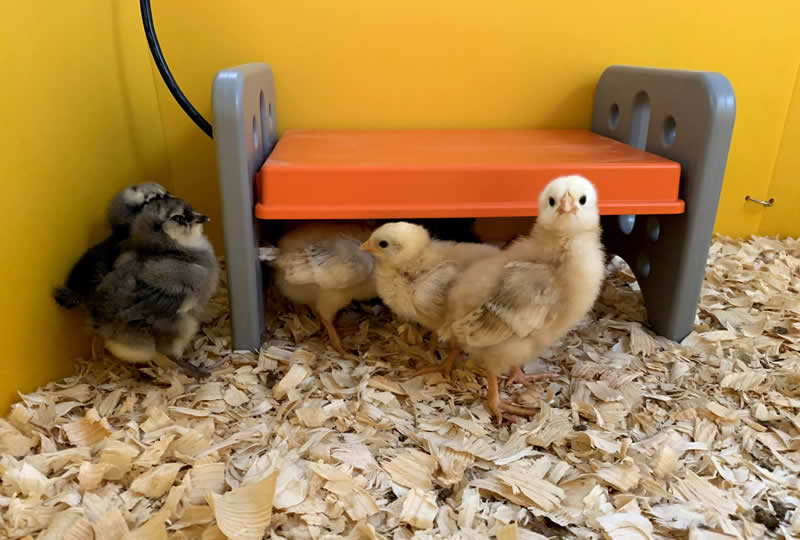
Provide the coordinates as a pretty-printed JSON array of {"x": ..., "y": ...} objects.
[
  {"x": 200, "y": 218},
  {"x": 367, "y": 246},
  {"x": 567, "y": 205}
]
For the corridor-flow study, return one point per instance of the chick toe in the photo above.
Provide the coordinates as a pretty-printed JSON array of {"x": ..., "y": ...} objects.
[
  {"x": 445, "y": 368},
  {"x": 191, "y": 369},
  {"x": 499, "y": 406},
  {"x": 526, "y": 380}
]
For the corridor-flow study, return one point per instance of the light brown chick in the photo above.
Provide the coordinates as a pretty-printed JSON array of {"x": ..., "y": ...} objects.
[
  {"x": 508, "y": 308},
  {"x": 320, "y": 264},
  {"x": 414, "y": 273}
]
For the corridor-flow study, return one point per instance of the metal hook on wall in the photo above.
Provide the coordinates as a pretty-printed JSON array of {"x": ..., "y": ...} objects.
[{"x": 768, "y": 203}]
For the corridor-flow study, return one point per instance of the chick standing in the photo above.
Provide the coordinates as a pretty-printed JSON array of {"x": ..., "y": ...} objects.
[
  {"x": 154, "y": 298},
  {"x": 414, "y": 274},
  {"x": 506, "y": 309},
  {"x": 319, "y": 264},
  {"x": 98, "y": 260}
]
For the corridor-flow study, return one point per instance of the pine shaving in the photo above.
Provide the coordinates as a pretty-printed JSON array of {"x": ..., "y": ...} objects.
[
  {"x": 153, "y": 529},
  {"x": 90, "y": 475},
  {"x": 13, "y": 442},
  {"x": 244, "y": 513},
  {"x": 412, "y": 469},
  {"x": 508, "y": 532},
  {"x": 419, "y": 509},
  {"x": 206, "y": 477},
  {"x": 743, "y": 382},
  {"x": 689, "y": 437},
  {"x": 622, "y": 476},
  {"x": 296, "y": 374},
  {"x": 111, "y": 526},
  {"x": 89, "y": 430},
  {"x": 626, "y": 526},
  {"x": 157, "y": 481}
]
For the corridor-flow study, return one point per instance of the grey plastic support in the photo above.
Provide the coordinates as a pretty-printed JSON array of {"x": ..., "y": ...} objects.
[
  {"x": 688, "y": 117},
  {"x": 245, "y": 132}
]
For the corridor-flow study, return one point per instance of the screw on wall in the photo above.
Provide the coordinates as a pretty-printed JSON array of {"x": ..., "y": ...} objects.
[{"x": 768, "y": 203}]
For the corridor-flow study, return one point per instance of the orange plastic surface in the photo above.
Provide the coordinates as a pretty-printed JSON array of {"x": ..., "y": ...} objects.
[{"x": 321, "y": 174}]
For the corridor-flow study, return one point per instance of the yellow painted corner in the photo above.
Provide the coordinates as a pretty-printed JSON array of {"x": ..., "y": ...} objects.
[{"x": 78, "y": 128}]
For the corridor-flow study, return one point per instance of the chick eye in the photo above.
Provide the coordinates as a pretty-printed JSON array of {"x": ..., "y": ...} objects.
[
  {"x": 552, "y": 201},
  {"x": 582, "y": 200},
  {"x": 383, "y": 244},
  {"x": 179, "y": 219}
]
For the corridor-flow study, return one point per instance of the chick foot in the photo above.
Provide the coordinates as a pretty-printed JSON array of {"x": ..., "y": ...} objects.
[
  {"x": 499, "y": 406},
  {"x": 519, "y": 376},
  {"x": 193, "y": 370},
  {"x": 445, "y": 368}
]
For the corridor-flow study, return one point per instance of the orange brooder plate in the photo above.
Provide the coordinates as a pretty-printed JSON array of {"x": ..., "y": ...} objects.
[{"x": 333, "y": 174}]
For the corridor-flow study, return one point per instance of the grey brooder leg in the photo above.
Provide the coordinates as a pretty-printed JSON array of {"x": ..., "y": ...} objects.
[
  {"x": 688, "y": 117},
  {"x": 245, "y": 133}
]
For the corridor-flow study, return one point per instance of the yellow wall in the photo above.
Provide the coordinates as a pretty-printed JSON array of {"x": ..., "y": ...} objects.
[
  {"x": 782, "y": 218},
  {"x": 472, "y": 63},
  {"x": 79, "y": 119}
]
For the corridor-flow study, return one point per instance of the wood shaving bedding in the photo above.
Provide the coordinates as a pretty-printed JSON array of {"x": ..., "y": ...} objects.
[{"x": 638, "y": 437}]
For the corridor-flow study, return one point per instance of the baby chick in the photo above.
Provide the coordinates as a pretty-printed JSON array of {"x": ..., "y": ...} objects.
[
  {"x": 414, "y": 274},
  {"x": 319, "y": 264},
  {"x": 99, "y": 259},
  {"x": 506, "y": 309},
  {"x": 154, "y": 298}
]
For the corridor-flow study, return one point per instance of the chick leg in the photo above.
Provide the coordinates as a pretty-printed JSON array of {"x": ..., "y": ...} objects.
[
  {"x": 333, "y": 335},
  {"x": 499, "y": 406},
  {"x": 173, "y": 343},
  {"x": 445, "y": 367},
  {"x": 519, "y": 376},
  {"x": 433, "y": 344}
]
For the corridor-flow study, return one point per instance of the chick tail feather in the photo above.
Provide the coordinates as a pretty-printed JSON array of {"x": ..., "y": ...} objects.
[
  {"x": 268, "y": 254},
  {"x": 66, "y": 297}
]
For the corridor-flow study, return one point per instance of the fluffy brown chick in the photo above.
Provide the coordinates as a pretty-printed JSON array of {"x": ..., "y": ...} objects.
[
  {"x": 506, "y": 309},
  {"x": 414, "y": 273},
  {"x": 320, "y": 264}
]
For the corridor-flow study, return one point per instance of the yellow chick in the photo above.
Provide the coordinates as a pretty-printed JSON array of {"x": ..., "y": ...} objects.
[
  {"x": 508, "y": 308},
  {"x": 414, "y": 273},
  {"x": 320, "y": 264}
]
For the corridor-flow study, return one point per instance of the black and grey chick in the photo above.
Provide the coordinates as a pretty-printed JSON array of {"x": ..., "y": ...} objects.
[
  {"x": 154, "y": 298},
  {"x": 99, "y": 259}
]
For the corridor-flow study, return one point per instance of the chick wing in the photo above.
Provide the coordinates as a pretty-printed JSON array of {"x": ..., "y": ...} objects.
[
  {"x": 430, "y": 290},
  {"x": 145, "y": 291},
  {"x": 330, "y": 263},
  {"x": 523, "y": 300}
]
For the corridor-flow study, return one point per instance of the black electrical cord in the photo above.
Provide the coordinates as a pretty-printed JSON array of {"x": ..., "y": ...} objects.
[{"x": 169, "y": 80}]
